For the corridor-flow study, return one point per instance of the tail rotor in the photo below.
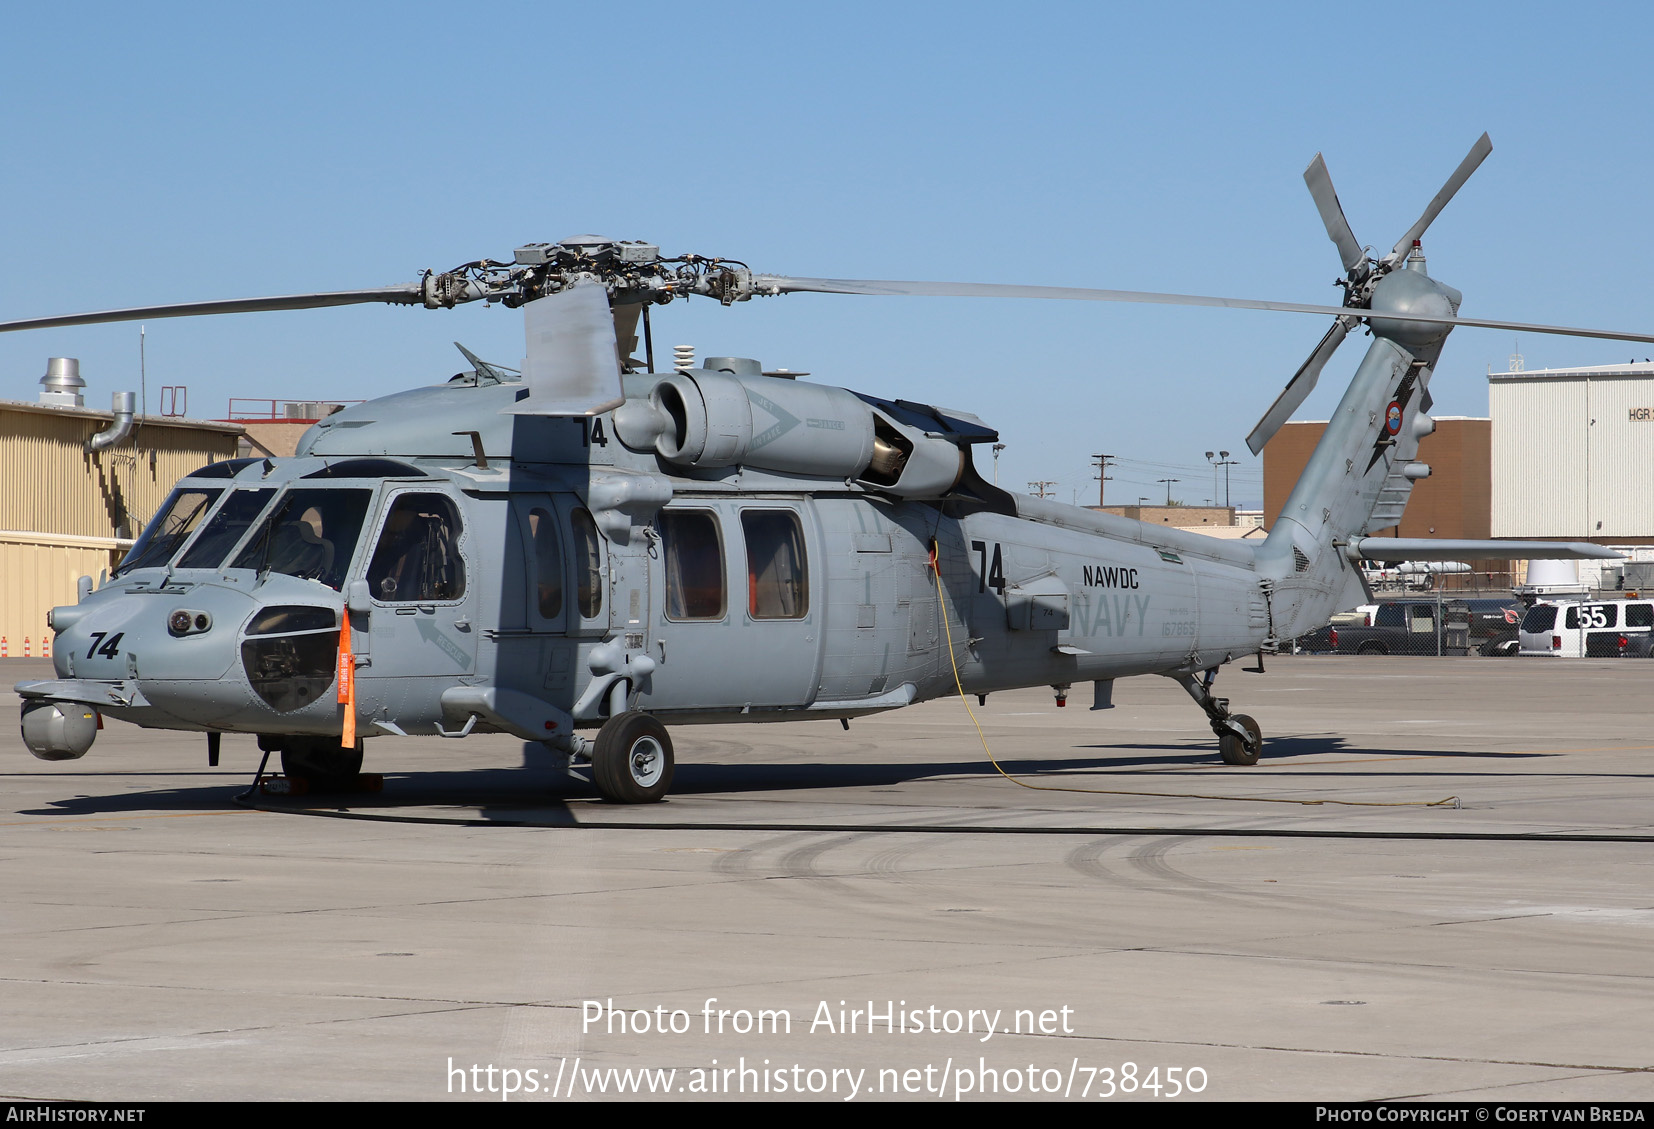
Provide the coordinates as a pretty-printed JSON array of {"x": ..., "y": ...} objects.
[{"x": 1362, "y": 274}]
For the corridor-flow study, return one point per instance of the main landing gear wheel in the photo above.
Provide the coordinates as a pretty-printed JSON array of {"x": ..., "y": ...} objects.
[
  {"x": 321, "y": 762},
  {"x": 632, "y": 759},
  {"x": 1231, "y": 746},
  {"x": 1236, "y": 751}
]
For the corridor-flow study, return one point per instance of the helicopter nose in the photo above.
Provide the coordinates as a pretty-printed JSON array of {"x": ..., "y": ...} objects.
[
  {"x": 290, "y": 655},
  {"x": 199, "y": 655},
  {"x": 178, "y": 633}
]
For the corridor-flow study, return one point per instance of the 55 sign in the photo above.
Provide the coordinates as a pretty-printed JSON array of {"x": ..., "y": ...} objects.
[{"x": 1596, "y": 616}]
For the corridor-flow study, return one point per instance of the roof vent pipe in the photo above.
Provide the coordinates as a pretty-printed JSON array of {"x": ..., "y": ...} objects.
[
  {"x": 124, "y": 406},
  {"x": 62, "y": 385}
]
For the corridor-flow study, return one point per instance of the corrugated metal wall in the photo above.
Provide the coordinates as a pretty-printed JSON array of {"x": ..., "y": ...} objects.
[
  {"x": 1568, "y": 458},
  {"x": 50, "y": 487},
  {"x": 34, "y": 578},
  {"x": 1538, "y": 458},
  {"x": 1620, "y": 460}
]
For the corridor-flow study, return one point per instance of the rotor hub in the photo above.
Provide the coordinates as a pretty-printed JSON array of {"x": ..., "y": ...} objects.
[{"x": 1416, "y": 294}]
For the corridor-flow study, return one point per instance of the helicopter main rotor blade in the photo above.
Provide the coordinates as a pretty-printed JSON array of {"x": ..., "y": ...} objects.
[
  {"x": 406, "y": 294},
  {"x": 787, "y": 284},
  {"x": 572, "y": 367},
  {"x": 1478, "y": 153},
  {"x": 1332, "y": 214},
  {"x": 1299, "y": 387}
]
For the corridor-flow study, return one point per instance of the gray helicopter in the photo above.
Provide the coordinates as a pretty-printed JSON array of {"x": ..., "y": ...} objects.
[{"x": 592, "y": 544}]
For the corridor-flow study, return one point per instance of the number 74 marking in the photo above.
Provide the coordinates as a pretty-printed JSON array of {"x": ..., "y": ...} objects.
[
  {"x": 109, "y": 649},
  {"x": 990, "y": 575}
]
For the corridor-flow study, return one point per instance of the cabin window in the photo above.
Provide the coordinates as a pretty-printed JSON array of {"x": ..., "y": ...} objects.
[
  {"x": 777, "y": 579},
  {"x": 694, "y": 559},
  {"x": 418, "y": 553},
  {"x": 1639, "y": 615},
  {"x": 170, "y": 528},
  {"x": 548, "y": 562},
  {"x": 1540, "y": 617},
  {"x": 588, "y": 564},
  {"x": 226, "y": 528},
  {"x": 310, "y": 534}
]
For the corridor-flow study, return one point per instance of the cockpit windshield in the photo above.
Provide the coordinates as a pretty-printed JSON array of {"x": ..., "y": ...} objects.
[
  {"x": 170, "y": 528},
  {"x": 311, "y": 534},
  {"x": 226, "y": 528}
]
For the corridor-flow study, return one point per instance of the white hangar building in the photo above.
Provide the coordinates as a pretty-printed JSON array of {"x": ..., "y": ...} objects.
[{"x": 1573, "y": 453}]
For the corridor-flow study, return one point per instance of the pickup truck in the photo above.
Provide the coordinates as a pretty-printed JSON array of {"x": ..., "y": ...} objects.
[{"x": 1408, "y": 627}]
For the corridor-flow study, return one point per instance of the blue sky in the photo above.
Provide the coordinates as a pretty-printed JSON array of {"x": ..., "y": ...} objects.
[{"x": 180, "y": 152}]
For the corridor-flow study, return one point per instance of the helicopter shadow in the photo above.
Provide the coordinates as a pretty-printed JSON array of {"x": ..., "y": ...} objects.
[
  {"x": 540, "y": 792},
  {"x": 1277, "y": 749},
  {"x": 486, "y": 794}
]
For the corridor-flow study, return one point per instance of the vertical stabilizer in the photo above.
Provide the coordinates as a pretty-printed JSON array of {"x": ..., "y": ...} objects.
[{"x": 1362, "y": 472}]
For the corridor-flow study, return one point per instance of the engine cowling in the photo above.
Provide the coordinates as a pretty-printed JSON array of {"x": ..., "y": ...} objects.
[
  {"x": 719, "y": 419},
  {"x": 716, "y": 419}
]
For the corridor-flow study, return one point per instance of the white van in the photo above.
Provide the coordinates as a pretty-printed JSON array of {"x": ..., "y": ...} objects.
[{"x": 1598, "y": 629}]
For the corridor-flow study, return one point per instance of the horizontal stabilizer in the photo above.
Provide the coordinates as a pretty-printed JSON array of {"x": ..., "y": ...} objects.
[{"x": 1432, "y": 549}]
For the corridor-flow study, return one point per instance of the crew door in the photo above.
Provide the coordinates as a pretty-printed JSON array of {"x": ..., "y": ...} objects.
[
  {"x": 422, "y": 627},
  {"x": 553, "y": 596}
]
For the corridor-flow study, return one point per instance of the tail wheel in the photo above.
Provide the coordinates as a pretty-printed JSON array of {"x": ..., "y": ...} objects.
[
  {"x": 321, "y": 762},
  {"x": 1236, "y": 751},
  {"x": 632, "y": 759}
]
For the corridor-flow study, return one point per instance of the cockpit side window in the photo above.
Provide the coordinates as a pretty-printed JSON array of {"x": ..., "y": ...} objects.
[
  {"x": 417, "y": 557},
  {"x": 310, "y": 534},
  {"x": 226, "y": 528},
  {"x": 169, "y": 529}
]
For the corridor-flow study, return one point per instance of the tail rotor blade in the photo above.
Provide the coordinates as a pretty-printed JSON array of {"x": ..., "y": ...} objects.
[
  {"x": 1332, "y": 214},
  {"x": 1299, "y": 387},
  {"x": 1478, "y": 153}
]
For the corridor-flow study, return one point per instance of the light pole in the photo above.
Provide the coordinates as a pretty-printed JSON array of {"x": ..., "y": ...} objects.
[
  {"x": 998, "y": 447},
  {"x": 1220, "y": 459}
]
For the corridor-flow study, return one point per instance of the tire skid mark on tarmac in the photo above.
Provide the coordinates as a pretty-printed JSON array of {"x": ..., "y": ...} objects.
[
  {"x": 896, "y": 883},
  {"x": 1157, "y": 875}
]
